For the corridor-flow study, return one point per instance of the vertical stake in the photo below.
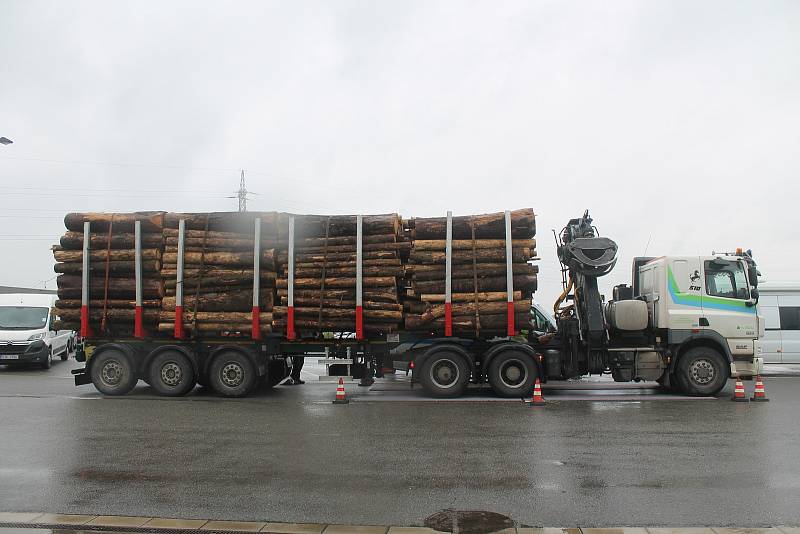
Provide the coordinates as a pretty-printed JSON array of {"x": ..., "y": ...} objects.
[
  {"x": 138, "y": 327},
  {"x": 509, "y": 276},
  {"x": 179, "y": 281},
  {"x": 448, "y": 274},
  {"x": 87, "y": 236},
  {"x": 256, "y": 328}
]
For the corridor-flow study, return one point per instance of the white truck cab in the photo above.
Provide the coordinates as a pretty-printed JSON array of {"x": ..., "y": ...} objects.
[
  {"x": 707, "y": 301},
  {"x": 27, "y": 333},
  {"x": 779, "y": 304}
]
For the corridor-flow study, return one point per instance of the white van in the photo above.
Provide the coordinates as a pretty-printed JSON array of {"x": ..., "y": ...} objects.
[
  {"x": 26, "y": 330},
  {"x": 779, "y": 303}
]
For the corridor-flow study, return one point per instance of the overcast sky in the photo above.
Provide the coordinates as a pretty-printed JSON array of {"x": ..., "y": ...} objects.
[{"x": 676, "y": 123}]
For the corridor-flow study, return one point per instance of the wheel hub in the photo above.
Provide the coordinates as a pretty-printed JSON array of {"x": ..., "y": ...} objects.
[
  {"x": 444, "y": 373},
  {"x": 111, "y": 372},
  {"x": 702, "y": 372},
  {"x": 171, "y": 374},
  {"x": 513, "y": 373},
  {"x": 232, "y": 374}
]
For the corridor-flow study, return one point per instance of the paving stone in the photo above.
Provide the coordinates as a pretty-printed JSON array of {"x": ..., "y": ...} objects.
[
  {"x": 293, "y": 528},
  {"x": 161, "y": 522},
  {"x": 64, "y": 519},
  {"x": 680, "y": 530},
  {"x": 548, "y": 530},
  {"x": 118, "y": 521},
  {"x": 747, "y": 530},
  {"x": 412, "y": 530},
  {"x": 618, "y": 530},
  {"x": 790, "y": 530},
  {"x": 18, "y": 517},
  {"x": 354, "y": 529},
  {"x": 244, "y": 526}
]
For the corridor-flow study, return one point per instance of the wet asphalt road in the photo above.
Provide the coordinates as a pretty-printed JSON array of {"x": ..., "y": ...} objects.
[{"x": 290, "y": 455}]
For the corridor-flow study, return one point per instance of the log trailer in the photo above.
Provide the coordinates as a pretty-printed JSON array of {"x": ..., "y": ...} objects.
[{"x": 687, "y": 322}]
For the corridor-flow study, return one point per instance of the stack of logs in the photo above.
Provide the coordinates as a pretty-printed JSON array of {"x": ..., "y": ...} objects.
[
  {"x": 112, "y": 283},
  {"x": 478, "y": 279},
  {"x": 325, "y": 274},
  {"x": 218, "y": 272}
]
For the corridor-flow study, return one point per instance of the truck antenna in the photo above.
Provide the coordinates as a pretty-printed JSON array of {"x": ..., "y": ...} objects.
[{"x": 648, "y": 244}]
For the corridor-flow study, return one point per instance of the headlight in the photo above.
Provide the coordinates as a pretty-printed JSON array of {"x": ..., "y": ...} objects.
[{"x": 36, "y": 337}]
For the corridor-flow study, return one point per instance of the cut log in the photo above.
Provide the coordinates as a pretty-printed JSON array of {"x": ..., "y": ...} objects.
[
  {"x": 490, "y": 324},
  {"x": 367, "y": 281},
  {"x": 223, "y": 258},
  {"x": 114, "y": 267},
  {"x": 217, "y": 329},
  {"x": 112, "y": 303},
  {"x": 334, "y": 326},
  {"x": 236, "y": 300},
  {"x": 283, "y": 257},
  {"x": 470, "y": 297},
  {"x": 465, "y": 285},
  {"x": 342, "y": 313},
  {"x": 465, "y": 308},
  {"x": 466, "y": 244},
  {"x": 368, "y": 270},
  {"x": 69, "y": 286},
  {"x": 76, "y": 256},
  {"x": 488, "y": 255},
  {"x": 123, "y": 240},
  {"x": 149, "y": 315},
  {"x": 482, "y": 270},
  {"x": 388, "y": 294},
  {"x": 488, "y": 226},
  {"x": 152, "y": 221},
  {"x": 336, "y": 303},
  {"x": 171, "y": 235},
  {"x": 219, "y": 317}
]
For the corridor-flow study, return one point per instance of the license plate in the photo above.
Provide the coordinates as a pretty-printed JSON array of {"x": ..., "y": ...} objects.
[{"x": 9, "y": 356}]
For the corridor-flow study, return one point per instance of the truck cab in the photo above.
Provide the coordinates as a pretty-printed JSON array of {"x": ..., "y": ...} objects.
[
  {"x": 28, "y": 332},
  {"x": 706, "y": 302}
]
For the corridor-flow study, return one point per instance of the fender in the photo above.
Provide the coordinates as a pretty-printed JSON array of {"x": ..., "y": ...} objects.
[
  {"x": 183, "y": 350},
  {"x": 260, "y": 368},
  {"x": 110, "y": 346},
  {"x": 682, "y": 339},
  {"x": 490, "y": 354},
  {"x": 419, "y": 361}
]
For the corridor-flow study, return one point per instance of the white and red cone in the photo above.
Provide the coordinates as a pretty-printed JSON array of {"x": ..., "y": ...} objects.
[
  {"x": 537, "y": 399},
  {"x": 738, "y": 392},
  {"x": 759, "y": 395},
  {"x": 341, "y": 396}
]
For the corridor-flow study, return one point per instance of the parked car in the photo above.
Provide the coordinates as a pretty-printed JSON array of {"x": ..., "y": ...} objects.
[{"x": 27, "y": 331}]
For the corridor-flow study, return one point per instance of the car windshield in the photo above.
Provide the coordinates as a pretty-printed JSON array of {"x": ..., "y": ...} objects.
[{"x": 22, "y": 318}]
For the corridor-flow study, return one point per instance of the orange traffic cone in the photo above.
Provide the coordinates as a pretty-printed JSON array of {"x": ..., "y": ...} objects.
[
  {"x": 537, "y": 399},
  {"x": 759, "y": 395},
  {"x": 341, "y": 397},
  {"x": 738, "y": 392}
]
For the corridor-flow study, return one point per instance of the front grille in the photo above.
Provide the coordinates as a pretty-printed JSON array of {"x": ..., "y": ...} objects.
[{"x": 16, "y": 347}]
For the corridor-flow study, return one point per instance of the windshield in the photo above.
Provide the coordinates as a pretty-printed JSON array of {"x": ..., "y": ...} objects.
[{"x": 22, "y": 318}]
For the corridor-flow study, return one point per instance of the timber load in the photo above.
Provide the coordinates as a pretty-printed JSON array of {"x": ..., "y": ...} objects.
[
  {"x": 310, "y": 274},
  {"x": 111, "y": 251},
  {"x": 478, "y": 259}
]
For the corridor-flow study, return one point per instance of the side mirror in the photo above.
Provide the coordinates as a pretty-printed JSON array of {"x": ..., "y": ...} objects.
[
  {"x": 752, "y": 274},
  {"x": 754, "y": 300}
]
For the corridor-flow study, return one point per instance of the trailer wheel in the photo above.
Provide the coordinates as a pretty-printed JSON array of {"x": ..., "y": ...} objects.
[
  {"x": 112, "y": 372},
  {"x": 171, "y": 374},
  {"x": 232, "y": 374},
  {"x": 445, "y": 374},
  {"x": 701, "y": 372},
  {"x": 513, "y": 374}
]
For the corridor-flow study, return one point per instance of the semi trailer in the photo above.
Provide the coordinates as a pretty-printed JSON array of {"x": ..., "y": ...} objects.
[{"x": 687, "y": 322}]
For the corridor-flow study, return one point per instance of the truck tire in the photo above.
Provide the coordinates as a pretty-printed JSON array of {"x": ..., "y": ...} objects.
[
  {"x": 445, "y": 374},
  {"x": 232, "y": 374},
  {"x": 112, "y": 372},
  {"x": 701, "y": 372},
  {"x": 171, "y": 374},
  {"x": 513, "y": 374}
]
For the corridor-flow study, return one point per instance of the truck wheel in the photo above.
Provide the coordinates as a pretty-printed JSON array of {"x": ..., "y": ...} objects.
[
  {"x": 232, "y": 374},
  {"x": 512, "y": 374},
  {"x": 701, "y": 372},
  {"x": 48, "y": 362},
  {"x": 445, "y": 374},
  {"x": 112, "y": 372},
  {"x": 171, "y": 374}
]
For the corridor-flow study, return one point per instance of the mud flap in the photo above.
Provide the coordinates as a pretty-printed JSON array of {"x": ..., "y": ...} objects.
[{"x": 81, "y": 377}]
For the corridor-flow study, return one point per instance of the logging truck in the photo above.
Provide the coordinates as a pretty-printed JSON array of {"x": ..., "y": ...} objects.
[{"x": 687, "y": 322}]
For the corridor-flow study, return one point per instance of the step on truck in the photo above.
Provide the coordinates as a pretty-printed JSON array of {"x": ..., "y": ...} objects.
[{"x": 687, "y": 322}]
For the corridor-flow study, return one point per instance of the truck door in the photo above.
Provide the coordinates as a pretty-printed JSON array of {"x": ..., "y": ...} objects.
[
  {"x": 771, "y": 342},
  {"x": 684, "y": 285},
  {"x": 725, "y": 308},
  {"x": 789, "y": 310}
]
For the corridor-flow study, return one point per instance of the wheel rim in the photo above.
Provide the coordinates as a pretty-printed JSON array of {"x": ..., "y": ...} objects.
[
  {"x": 702, "y": 372},
  {"x": 445, "y": 373},
  {"x": 232, "y": 374},
  {"x": 171, "y": 374},
  {"x": 111, "y": 372},
  {"x": 513, "y": 373}
]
